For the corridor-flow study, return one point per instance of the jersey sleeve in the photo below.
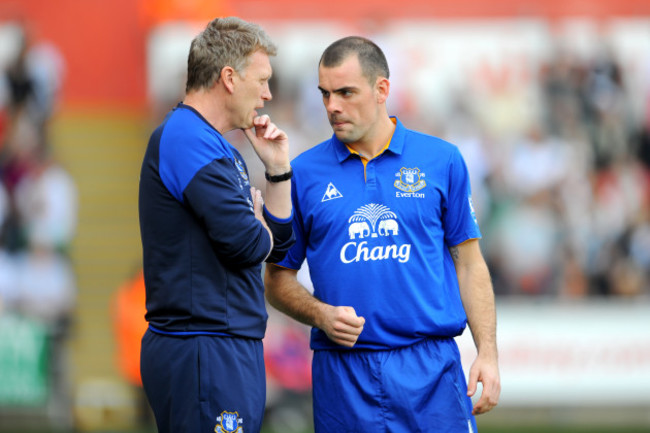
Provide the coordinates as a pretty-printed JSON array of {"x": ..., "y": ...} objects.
[
  {"x": 296, "y": 254},
  {"x": 458, "y": 218},
  {"x": 198, "y": 168},
  {"x": 225, "y": 208},
  {"x": 283, "y": 237}
]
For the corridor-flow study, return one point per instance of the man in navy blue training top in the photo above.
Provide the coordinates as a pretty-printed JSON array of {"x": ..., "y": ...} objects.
[
  {"x": 384, "y": 217},
  {"x": 205, "y": 234}
]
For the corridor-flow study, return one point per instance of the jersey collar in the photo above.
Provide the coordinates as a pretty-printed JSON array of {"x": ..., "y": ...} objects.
[{"x": 396, "y": 145}]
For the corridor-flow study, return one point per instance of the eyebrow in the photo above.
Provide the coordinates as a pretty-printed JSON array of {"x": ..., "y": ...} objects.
[{"x": 339, "y": 90}]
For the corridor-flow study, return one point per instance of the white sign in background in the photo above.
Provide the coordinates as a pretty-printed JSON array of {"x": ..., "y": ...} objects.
[{"x": 575, "y": 353}]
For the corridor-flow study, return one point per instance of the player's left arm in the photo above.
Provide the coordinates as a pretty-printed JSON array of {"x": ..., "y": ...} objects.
[{"x": 478, "y": 300}]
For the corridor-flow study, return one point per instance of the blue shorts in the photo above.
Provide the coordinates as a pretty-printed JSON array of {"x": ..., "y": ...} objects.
[
  {"x": 418, "y": 388},
  {"x": 204, "y": 383}
]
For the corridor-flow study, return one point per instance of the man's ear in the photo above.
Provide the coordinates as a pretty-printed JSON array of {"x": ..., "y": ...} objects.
[
  {"x": 382, "y": 88},
  {"x": 227, "y": 77}
]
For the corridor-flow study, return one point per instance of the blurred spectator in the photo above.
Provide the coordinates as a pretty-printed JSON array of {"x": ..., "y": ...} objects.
[
  {"x": 34, "y": 79},
  {"x": 606, "y": 109},
  {"x": 9, "y": 293},
  {"x": 537, "y": 163},
  {"x": 617, "y": 203},
  {"x": 642, "y": 144},
  {"x": 561, "y": 87},
  {"x": 523, "y": 246},
  {"x": 46, "y": 68},
  {"x": 46, "y": 202},
  {"x": 46, "y": 285},
  {"x": 20, "y": 83},
  {"x": 19, "y": 149}
]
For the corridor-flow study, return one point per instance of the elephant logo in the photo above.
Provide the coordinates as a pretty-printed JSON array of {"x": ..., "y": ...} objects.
[
  {"x": 386, "y": 226},
  {"x": 359, "y": 228},
  {"x": 373, "y": 220}
]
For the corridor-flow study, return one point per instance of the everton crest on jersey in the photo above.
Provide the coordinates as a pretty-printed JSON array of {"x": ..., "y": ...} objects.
[{"x": 410, "y": 181}]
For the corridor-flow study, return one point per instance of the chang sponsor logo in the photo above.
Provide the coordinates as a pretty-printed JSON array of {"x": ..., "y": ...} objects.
[
  {"x": 360, "y": 252},
  {"x": 373, "y": 221}
]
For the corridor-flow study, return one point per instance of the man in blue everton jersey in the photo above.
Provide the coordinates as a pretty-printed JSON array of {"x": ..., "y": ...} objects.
[
  {"x": 384, "y": 217},
  {"x": 205, "y": 234}
]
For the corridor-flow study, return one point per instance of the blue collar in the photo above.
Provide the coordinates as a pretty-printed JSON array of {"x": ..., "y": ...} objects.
[{"x": 396, "y": 145}]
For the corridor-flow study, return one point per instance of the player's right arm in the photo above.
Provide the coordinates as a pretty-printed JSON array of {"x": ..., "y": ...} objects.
[{"x": 285, "y": 293}]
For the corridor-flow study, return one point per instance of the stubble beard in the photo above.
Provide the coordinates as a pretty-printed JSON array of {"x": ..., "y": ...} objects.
[{"x": 346, "y": 134}]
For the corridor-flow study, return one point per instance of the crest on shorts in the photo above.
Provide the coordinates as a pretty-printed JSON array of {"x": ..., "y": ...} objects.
[
  {"x": 229, "y": 422},
  {"x": 410, "y": 180}
]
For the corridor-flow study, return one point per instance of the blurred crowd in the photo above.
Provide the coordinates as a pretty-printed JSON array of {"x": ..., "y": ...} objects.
[
  {"x": 38, "y": 197},
  {"x": 38, "y": 219},
  {"x": 565, "y": 204},
  {"x": 563, "y": 199}
]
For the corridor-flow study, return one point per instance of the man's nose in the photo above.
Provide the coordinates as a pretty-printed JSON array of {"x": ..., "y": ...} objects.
[
  {"x": 266, "y": 94},
  {"x": 332, "y": 105}
]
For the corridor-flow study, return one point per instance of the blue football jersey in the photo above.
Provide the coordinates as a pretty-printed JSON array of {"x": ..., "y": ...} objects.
[{"x": 376, "y": 236}]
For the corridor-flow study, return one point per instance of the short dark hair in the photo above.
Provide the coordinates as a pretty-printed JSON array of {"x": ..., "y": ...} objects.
[
  {"x": 371, "y": 57},
  {"x": 224, "y": 42}
]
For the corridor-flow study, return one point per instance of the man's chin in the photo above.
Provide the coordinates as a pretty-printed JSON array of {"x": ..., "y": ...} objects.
[
  {"x": 249, "y": 121},
  {"x": 247, "y": 124},
  {"x": 344, "y": 136}
]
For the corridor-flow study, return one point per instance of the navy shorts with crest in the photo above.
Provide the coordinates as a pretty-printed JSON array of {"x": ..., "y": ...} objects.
[{"x": 202, "y": 383}]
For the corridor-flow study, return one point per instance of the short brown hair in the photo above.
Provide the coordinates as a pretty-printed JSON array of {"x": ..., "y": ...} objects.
[
  {"x": 371, "y": 57},
  {"x": 224, "y": 42}
]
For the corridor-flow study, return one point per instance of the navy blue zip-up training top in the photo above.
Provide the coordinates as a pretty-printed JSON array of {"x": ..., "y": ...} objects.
[{"x": 202, "y": 246}]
